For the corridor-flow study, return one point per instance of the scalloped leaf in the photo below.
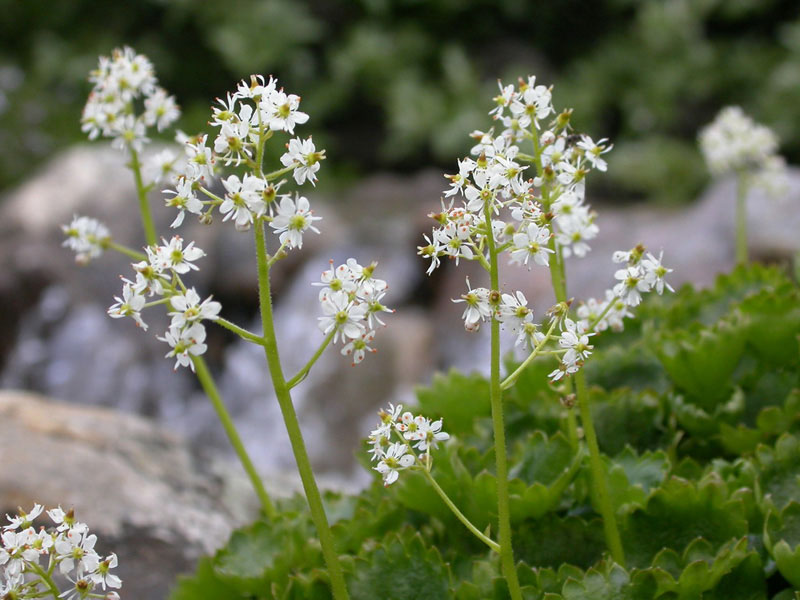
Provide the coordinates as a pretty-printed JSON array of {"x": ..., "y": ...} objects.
[
  {"x": 677, "y": 513},
  {"x": 401, "y": 567},
  {"x": 263, "y": 554},
  {"x": 608, "y": 582},
  {"x": 773, "y": 323},
  {"x": 782, "y": 539},
  {"x": 780, "y": 471},
  {"x": 458, "y": 399},
  {"x": 701, "y": 360},
  {"x": 631, "y": 477}
]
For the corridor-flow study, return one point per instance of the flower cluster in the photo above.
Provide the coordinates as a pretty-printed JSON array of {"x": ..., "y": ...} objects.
[
  {"x": 733, "y": 142},
  {"x": 159, "y": 276},
  {"x": 532, "y": 208},
  {"x": 410, "y": 432},
  {"x": 245, "y": 120},
  {"x": 124, "y": 84},
  {"x": 69, "y": 548},
  {"x": 87, "y": 237},
  {"x": 351, "y": 306}
]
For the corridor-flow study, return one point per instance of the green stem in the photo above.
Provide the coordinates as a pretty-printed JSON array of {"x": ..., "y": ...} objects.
[
  {"x": 124, "y": 250},
  {"x": 240, "y": 331},
  {"x": 48, "y": 580},
  {"x": 511, "y": 379},
  {"x": 501, "y": 460},
  {"x": 599, "y": 483},
  {"x": 741, "y": 219},
  {"x": 279, "y": 172},
  {"x": 144, "y": 205},
  {"x": 313, "y": 497},
  {"x": 467, "y": 523},
  {"x": 204, "y": 376},
  {"x": 301, "y": 374}
]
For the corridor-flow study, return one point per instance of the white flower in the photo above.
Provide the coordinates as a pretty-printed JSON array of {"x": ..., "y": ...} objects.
[
  {"x": 654, "y": 273},
  {"x": 282, "y": 112},
  {"x": 23, "y": 519},
  {"x": 76, "y": 549},
  {"x": 160, "y": 109},
  {"x": 293, "y": 218},
  {"x": 189, "y": 309},
  {"x": 631, "y": 285},
  {"x": 174, "y": 256},
  {"x": 358, "y": 347},
  {"x": 102, "y": 574},
  {"x": 86, "y": 237},
  {"x": 594, "y": 150},
  {"x": 576, "y": 342},
  {"x": 514, "y": 313},
  {"x": 304, "y": 155},
  {"x": 477, "y": 306},
  {"x": 130, "y": 305},
  {"x": 343, "y": 315},
  {"x": 184, "y": 199},
  {"x": 185, "y": 343},
  {"x": 427, "y": 434},
  {"x": 393, "y": 461},
  {"x": 733, "y": 141},
  {"x": 240, "y": 196},
  {"x": 531, "y": 243}
]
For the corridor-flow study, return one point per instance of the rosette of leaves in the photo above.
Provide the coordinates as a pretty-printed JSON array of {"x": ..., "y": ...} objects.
[{"x": 782, "y": 539}]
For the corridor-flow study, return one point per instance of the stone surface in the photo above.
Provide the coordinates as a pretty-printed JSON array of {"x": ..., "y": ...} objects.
[{"x": 137, "y": 486}]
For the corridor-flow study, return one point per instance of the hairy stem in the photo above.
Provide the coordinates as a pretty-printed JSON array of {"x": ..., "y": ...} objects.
[
  {"x": 599, "y": 484},
  {"x": 144, "y": 205},
  {"x": 501, "y": 460},
  {"x": 313, "y": 496},
  {"x": 207, "y": 381},
  {"x": 301, "y": 374}
]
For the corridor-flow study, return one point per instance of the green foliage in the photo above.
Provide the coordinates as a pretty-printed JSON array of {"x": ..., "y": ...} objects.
[{"x": 705, "y": 481}]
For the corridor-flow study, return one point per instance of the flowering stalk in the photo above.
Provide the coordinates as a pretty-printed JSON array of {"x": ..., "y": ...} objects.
[
  {"x": 313, "y": 496},
  {"x": 207, "y": 382},
  {"x": 498, "y": 426},
  {"x": 599, "y": 483},
  {"x": 141, "y": 192},
  {"x": 741, "y": 218},
  {"x": 460, "y": 516}
]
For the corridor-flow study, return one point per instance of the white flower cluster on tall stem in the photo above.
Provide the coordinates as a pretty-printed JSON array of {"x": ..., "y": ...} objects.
[
  {"x": 351, "y": 305},
  {"x": 245, "y": 120},
  {"x": 532, "y": 208},
  {"x": 733, "y": 141},
  {"x": 32, "y": 559},
  {"x": 124, "y": 84},
  {"x": 159, "y": 275},
  {"x": 409, "y": 432}
]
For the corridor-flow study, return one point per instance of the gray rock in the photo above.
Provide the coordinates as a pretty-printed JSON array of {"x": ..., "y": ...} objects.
[{"x": 138, "y": 487}]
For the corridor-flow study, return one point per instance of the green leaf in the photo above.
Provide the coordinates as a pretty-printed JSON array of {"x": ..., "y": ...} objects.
[
  {"x": 626, "y": 418},
  {"x": 608, "y": 581},
  {"x": 701, "y": 360},
  {"x": 631, "y": 478},
  {"x": 677, "y": 513},
  {"x": 782, "y": 539},
  {"x": 458, "y": 399},
  {"x": 780, "y": 471},
  {"x": 263, "y": 554},
  {"x": 773, "y": 323},
  {"x": 401, "y": 567}
]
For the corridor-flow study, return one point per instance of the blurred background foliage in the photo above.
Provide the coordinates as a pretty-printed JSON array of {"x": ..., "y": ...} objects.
[{"x": 397, "y": 84}]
